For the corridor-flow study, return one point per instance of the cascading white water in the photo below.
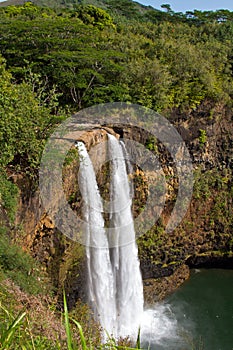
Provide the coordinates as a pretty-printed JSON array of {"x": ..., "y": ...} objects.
[
  {"x": 114, "y": 277},
  {"x": 124, "y": 254},
  {"x": 100, "y": 277}
]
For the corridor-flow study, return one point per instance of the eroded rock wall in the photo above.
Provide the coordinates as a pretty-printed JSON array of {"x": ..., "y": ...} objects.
[{"x": 206, "y": 229}]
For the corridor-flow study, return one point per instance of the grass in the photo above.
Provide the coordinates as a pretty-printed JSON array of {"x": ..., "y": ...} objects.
[
  {"x": 71, "y": 342},
  {"x": 16, "y": 333},
  {"x": 19, "y": 266},
  {"x": 9, "y": 332},
  {"x": 27, "y": 321}
]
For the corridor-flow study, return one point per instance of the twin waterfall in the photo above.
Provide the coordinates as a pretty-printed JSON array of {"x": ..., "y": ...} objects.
[{"x": 114, "y": 277}]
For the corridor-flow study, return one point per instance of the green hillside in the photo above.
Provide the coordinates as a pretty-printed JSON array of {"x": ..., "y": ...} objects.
[
  {"x": 132, "y": 10},
  {"x": 121, "y": 6},
  {"x": 119, "y": 9}
]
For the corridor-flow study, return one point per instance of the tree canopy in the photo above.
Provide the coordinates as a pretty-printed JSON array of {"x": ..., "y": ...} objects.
[{"x": 61, "y": 60}]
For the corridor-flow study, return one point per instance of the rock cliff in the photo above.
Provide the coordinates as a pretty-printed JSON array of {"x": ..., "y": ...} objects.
[{"x": 204, "y": 238}]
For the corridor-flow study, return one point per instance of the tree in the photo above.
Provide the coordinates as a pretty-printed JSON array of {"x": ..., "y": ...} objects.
[
  {"x": 167, "y": 7},
  {"x": 90, "y": 14},
  {"x": 25, "y": 123}
]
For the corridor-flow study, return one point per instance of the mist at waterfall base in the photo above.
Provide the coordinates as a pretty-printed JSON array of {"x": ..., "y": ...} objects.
[{"x": 115, "y": 282}]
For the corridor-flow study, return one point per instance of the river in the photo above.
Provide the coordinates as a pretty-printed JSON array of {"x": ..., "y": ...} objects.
[{"x": 198, "y": 316}]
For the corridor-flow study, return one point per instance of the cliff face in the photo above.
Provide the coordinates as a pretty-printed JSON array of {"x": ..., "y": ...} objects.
[{"x": 203, "y": 238}]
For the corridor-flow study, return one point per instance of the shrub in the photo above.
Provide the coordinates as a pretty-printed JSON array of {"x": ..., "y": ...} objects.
[{"x": 19, "y": 266}]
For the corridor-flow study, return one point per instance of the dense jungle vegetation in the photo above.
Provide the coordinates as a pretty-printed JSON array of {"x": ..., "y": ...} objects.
[{"x": 57, "y": 60}]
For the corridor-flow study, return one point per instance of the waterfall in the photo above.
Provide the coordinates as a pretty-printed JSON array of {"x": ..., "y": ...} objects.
[
  {"x": 100, "y": 277},
  {"x": 114, "y": 277},
  {"x": 124, "y": 254}
]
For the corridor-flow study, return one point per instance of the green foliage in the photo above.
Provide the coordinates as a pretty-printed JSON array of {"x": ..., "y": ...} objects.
[
  {"x": 90, "y": 14},
  {"x": 25, "y": 122},
  {"x": 67, "y": 324},
  {"x": 208, "y": 181},
  {"x": 65, "y": 60},
  {"x": 166, "y": 65},
  {"x": 151, "y": 144},
  {"x": 26, "y": 11},
  {"x": 213, "y": 188},
  {"x": 8, "y": 195},
  {"x": 19, "y": 266},
  {"x": 125, "y": 8},
  {"x": 71, "y": 156},
  {"x": 15, "y": 332},
  {"x": 202, "y": 137},
  {"x": 83, "y": 340},
  {"x": 7, "y": 336}
]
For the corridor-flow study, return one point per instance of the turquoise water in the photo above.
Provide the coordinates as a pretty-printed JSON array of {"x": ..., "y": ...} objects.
[{"x": 200, "y": 314}]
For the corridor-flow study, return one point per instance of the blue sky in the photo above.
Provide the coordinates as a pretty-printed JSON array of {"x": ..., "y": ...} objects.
[{"x": 182, "y": 5}]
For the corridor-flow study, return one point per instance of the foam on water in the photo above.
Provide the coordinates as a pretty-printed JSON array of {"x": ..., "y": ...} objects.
[{"x": 158, "y": 326}]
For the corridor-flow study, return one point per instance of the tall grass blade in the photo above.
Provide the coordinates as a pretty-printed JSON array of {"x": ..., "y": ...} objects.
[
  {"x": 6, "y": 311},
  {"x": 8, "y": 334},
  {"x": 67, "y": 324},
  {"x": 83, "y": 340},
  {"x": 138, "y": 343}
]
